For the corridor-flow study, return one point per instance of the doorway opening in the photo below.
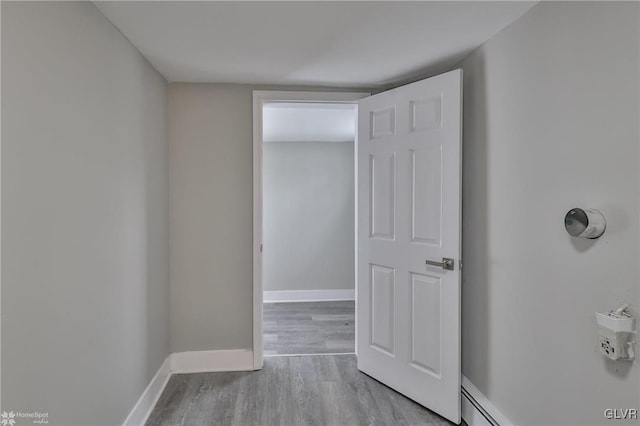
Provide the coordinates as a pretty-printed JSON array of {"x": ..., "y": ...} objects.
[
  {"x": 308, "y": 220},
  {"x": 304, "y": 147}
]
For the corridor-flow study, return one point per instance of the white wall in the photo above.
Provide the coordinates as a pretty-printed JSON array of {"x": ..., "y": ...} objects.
[
  {"x": 308, "y": 219},
  {"x": 551, "y": 123},
  {"x": 84, "y": 215}
]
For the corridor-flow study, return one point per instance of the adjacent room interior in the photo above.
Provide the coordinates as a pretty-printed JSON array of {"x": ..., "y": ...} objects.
[{"x": 308, "y": 271}]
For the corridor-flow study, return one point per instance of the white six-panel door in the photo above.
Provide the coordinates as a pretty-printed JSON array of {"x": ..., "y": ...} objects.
[{"x": 408, "y": 320}]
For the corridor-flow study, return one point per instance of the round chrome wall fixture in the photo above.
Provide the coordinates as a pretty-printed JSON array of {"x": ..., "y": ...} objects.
[{"x": 585, "y": 223}]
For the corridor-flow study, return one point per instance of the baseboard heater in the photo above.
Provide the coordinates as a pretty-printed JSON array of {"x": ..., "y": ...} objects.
[{"x": 479, "y": 407}]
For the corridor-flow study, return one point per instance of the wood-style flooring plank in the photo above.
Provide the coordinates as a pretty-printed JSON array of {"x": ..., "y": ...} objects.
[
  {"x": 309, "y": 328},
  {"x": 289, "y": 391}
]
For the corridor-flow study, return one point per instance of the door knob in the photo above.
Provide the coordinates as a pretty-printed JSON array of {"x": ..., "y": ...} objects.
[{"x": 446, "y": 263}]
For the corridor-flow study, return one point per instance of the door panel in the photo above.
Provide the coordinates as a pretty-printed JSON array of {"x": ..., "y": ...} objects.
[
  {"x": 409, "y": 152},
  {"x": 426, "y": 195},
  {"x": 382, "y": 189},
  {"x": 425, "y": 323},
  {"x": 382, "y": 123},
  {"x": 382, "y": 309},
  {"x": 426, "y": 114}
]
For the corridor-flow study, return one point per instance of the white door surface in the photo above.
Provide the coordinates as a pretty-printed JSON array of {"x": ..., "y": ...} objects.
[{"x": 408, "y": 319}]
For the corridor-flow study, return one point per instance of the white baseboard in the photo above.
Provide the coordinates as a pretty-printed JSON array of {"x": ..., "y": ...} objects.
[
  {"x": 140, "y": 412},
  {"x": 211, "y": 361},
  {"x": 477, "y": 410},
  {"x": 308, "y": 295},
  {"x": 186, "y": 362}
]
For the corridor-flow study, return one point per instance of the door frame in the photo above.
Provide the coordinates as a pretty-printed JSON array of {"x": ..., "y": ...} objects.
[{"x": 260, "y": 97}]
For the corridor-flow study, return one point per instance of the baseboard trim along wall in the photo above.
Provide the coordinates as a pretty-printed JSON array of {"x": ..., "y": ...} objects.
[
  {"x": 308, "y": 296},
  {"x": 477, "y": 410},
  {"x": 141, "y": 411},
  {"x": 186, "y": 362}
]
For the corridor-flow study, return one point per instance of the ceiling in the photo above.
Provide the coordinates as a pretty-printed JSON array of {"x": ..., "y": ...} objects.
[
  {"x": 308, "y": 122},
  {"x": 322, "y": 43}
]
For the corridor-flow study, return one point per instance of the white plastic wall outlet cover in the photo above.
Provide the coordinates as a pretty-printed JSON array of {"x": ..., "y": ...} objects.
[{"x": 615, "y": 323}]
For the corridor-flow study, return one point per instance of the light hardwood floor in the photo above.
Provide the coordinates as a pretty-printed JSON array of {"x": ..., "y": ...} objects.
[
  {"x": 309, "y": 328},
  {"x": 288, "y": 391}
]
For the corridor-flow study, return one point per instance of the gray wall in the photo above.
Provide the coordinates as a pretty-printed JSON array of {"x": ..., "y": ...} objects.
[
  {"x": 84, "y": 215},
  {"x": 211, "y": 216},
  {"x": 551, "y": 122},
  {"x": 308, "y": 219}
]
